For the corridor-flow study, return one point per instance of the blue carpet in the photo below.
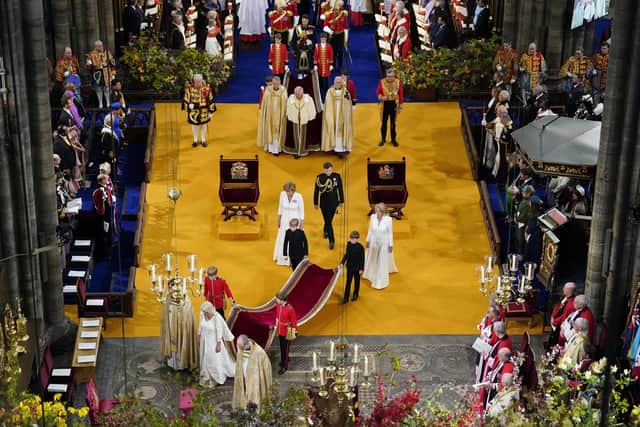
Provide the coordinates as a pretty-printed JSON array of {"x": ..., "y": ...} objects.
[{"x": 252, "y": 67}]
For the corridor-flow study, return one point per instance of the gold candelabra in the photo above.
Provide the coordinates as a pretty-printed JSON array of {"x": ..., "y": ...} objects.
[
  {"x": 339, "y": 379},
  {"x": 15, "y": 328},
  {"x": 171, "y": 284},
  {"x": 511, "y": 284}
]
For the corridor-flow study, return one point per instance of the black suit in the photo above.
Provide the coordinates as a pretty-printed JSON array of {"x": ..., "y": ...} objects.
[
  {"x": 354, "y": 261},
  {"x": 533, "y": 105},
  {"x": 131, "y": 19},
  {"x": 295, "y": 247},
  {"x": 574, "y": 96},
  {"x": 328, "y": 194},
  {"x": 66, "y": 119},
  {"x": 176, "y": 38},
  {"x": 483, "y": 25}
]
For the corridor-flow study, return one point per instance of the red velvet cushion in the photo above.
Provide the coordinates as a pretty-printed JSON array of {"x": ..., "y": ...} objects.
[
  {"x": 388, "y": 196},
  {"x": 239, "y": 195},
  {"x": 516, "y": 309}
]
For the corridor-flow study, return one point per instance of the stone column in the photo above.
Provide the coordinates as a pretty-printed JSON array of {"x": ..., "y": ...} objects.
[{"x": 61, "y": 25}]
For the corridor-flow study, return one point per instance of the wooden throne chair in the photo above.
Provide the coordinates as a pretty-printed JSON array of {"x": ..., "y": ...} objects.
[
  {"x": 239, "y": 188},
  {"x": 387, "y": 183}
]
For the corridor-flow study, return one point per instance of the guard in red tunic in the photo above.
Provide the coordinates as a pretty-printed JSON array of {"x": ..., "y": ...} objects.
[
  {"x": 278, "y": 58},
  {"x": 215, "y": 290},
  {"x": 102, "y": 199},
  {"x": 200, "y": 106},
  {"x": 323, "y": 58},
  {"x": 292, "y": 6},
  {"x": 336, "y": 24},
  {"x": 281, "y": 21},
  {"x": 600, "y": 67},
  {"x": 390, "y": 97},
  {"x": 286, "y": 327}
]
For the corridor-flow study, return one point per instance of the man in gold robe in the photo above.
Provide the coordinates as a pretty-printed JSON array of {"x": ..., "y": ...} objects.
[
  {"x": 337, "y": 124},
  {"x": 300, "y": 110},
  {"x": 178, "y": 343},
  {"x": 253, "y": 374},
  {"x": 272, "y": 123}
]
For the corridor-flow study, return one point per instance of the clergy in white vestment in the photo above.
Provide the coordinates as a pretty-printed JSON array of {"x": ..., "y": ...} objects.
[
  {"x": 251, "y": 20},
  {"x": 272, "y": 124},
  {"x": 291, "y": 206},
  {"x": 216, "y": 363},
  {"x": 379, "y": 260},
  {"x": 337, "y": 123},
  {"x": 300, "y": 110}
]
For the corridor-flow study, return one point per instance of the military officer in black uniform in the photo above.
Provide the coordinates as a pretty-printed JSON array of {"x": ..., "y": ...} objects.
[{"x": 328, "y": 194}]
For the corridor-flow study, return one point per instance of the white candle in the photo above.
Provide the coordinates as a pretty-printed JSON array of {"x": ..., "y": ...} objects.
[
  {"x": 184, "y": 285},
  {"x": 332, "y": 349},
  {"x": 489, "y": 264},
  {"x": 167, "y": 260},
  {"x": 355, "y": 353},
  {"x": 352, "y": 381},
  {"x": 201, "y": 277},
  {"x": 191, "y": 260},
  {"x": 315, "y": 361},
  {"x": 366, "y": 365},
  {"x": 152, "y": 272},
  {"x": 513, "y": 262},
  {"x": 483, "y": 276},
  {"x": 321, "y": 376},
  {"x": 521, "y": 283},
  {"x": 499, "y": 284}
]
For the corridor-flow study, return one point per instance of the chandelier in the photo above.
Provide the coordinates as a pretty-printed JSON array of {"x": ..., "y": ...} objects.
[
  {"x": 173, "y": 286},
  {"x": 339, "y": 379},
  {"x": 510, "y": 284}
]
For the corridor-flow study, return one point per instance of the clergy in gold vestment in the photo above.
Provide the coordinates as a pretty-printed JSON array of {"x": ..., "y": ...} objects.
[
  {"x": 178, "y": 335},
  {"x": 337, "y": 125},
  {"x": 300, "y": 111},
  {"x": 253, "y": 374},
  {"x": 272, "y": 124}
]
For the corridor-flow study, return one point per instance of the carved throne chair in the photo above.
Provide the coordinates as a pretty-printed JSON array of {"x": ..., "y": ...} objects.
[
  {"x": 239, "y": 188},
  {"x": 387, "y": 183}
]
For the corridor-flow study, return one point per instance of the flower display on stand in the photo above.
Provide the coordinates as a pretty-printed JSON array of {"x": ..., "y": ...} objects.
[
  {"x": 154, "y": 67},
  {"x": 449, "y": 70}
]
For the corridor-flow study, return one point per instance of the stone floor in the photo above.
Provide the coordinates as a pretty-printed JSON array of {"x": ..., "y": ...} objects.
[{"x": 443, "y": 362}]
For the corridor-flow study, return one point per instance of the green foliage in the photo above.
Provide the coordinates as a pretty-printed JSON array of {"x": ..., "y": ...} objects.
[
  {"x": 450, "y": 70},
  {"x": 154, "y": 67}
]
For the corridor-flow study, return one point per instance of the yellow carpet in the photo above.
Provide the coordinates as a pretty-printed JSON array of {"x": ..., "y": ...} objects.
[{"x": 435, "y": 291}]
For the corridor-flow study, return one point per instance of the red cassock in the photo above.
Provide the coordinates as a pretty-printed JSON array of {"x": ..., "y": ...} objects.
[
  {"x": 402, "y": 49},
  {"x": 215, "y": 290},
  {"x": 278, "y": 57},
  {"x": 351, "y": 87},
  {"x": 280, "y": 21},
  {"x": 101, "y": 198},
  {"x": 500, "y": 369},
  {"x": 323, "y": 58},
  {"x": 491, "y": 361},
  {"x": 561, "y": 311},
  {"x": 402, "y": 22},
  {"x": 337, "y": 20},
  {"x": 584, "y": 313},
  {"x": 285, "y": 317}
]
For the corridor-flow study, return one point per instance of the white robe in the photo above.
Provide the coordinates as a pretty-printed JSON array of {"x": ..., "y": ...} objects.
[
  {"x": 379, "y": 262},
  {"x": 288, "y": 211},
  {"x": 359, "y": 6},
  {"x": 251, "y": 17},
  {"x": 215, "y": 367},
  {"x": 211, "y": 45}
]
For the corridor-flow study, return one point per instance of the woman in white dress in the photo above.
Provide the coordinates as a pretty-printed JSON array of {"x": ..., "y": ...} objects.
[
  {"x": 216, "y": 364},
  {"x": 379, "y": 261},
  {"x": 212, "y": 45},
  {"x": 291, "y": 206}
]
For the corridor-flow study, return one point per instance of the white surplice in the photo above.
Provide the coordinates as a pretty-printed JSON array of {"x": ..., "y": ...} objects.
[
  {"x": 215, "y": 367},
  {"x": 379, "y": 262},
  {"x": 288, "y": 209},
  {"x": 251, "y": 17}
]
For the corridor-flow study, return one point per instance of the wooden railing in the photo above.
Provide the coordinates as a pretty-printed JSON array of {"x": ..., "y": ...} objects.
[{"x": 489, "y": 220}]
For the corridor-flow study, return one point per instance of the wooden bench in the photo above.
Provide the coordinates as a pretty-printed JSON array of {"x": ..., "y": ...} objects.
[{"x": 85, "y": 353}]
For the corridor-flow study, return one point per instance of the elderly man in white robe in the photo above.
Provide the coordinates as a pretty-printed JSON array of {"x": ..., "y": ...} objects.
[
  {"x": 337, "y": 123},
  {"x": 300, "y": 110}
]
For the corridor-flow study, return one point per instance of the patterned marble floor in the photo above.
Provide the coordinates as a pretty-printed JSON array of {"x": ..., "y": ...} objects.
[{"x": 439, "y": 362}]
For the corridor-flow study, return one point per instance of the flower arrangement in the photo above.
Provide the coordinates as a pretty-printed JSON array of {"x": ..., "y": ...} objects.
[
  {"x": 32, "y": 411},
  {"x": 449, "y": 70},
  {"x": 153, "y": 66}
]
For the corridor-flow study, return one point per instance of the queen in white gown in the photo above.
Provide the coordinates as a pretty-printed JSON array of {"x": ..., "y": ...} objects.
[
  {"x": 291, "y": 206},
  {"x": 379, "y": 261},
  {"x": 216, "y": 364}
]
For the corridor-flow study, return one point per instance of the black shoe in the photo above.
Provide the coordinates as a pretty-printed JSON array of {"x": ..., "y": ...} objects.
[
  {"x": 296, "y": 156},
  {"x": 195, "y": 144},
  {"x": 381, "y": 143},
  {"x": 282, "y": 371},
  {"x": 354, "y": 298},
  {"x": 345, "y": 300},
  {"x": 395, "y": 143},
  {"x": 331, "y": 244},
  {"x": 204, "y": 144},
  {"x": 326, "y": 236}
]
